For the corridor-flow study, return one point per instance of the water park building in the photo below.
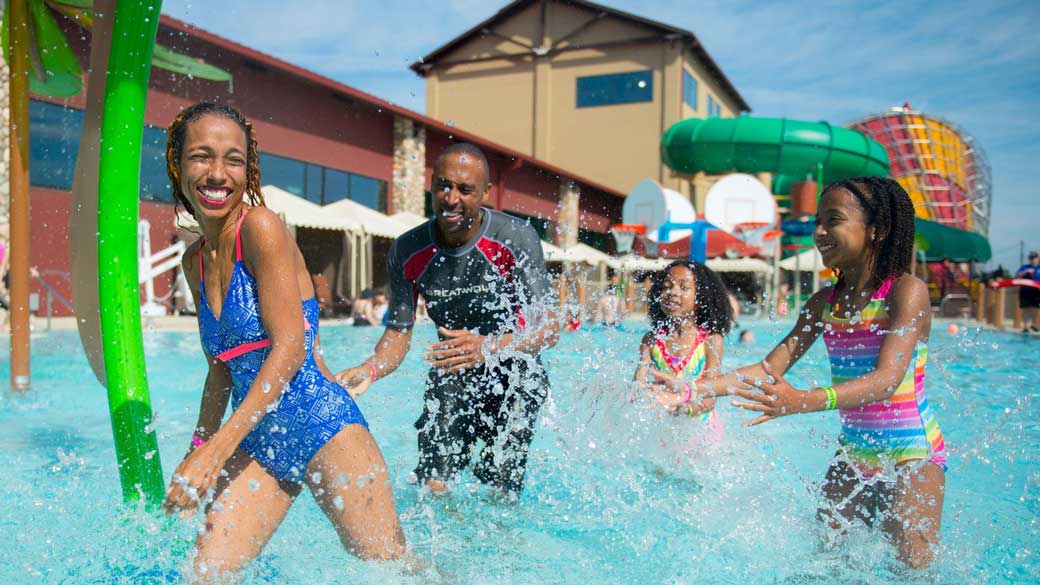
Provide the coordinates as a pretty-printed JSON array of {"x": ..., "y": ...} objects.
[
  {"x": 321, "y": 141},
  {"x": 580, "y": 85}
]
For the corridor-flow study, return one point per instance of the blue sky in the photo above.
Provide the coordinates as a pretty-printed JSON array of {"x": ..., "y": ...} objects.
[{"x": 976, "y": 64}]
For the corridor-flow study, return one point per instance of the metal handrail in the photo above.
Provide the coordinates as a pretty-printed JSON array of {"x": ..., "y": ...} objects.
[
  {"x": 952, "y": 297},
  {"x": 53, "y": 293}
]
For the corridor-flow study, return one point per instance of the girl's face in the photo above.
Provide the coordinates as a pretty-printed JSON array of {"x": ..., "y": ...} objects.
[
  {"x": 679, "y": 293},
  {"x": 213, "y": 166},
  {"x": 842, "y": 235}
]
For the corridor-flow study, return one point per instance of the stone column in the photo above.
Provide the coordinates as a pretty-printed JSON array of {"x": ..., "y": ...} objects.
[
  {"x": 569, "y": 213},
  {"x": 409, "y": 179}
]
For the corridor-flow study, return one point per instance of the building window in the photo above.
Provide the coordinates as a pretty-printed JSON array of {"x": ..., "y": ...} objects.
[
  {"x": 315, "y": 185},
  {"x": 54, "y": 134},
  {"x": 595, "y": 239},
  {"x": 541, "y": 226},
  {"x": 155, "y": 183},
  {"x": 619, "y": 88},
  {"x": 285, "y": 173},
  {"x": 689, "y": 89},
  {"x": 714, "y": 109},
  {"x": 337, "y": 186},
  {"x": 368, "y": 192}
]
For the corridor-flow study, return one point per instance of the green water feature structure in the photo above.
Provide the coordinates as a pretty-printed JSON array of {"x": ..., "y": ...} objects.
[{"x": 793, "y": 150}]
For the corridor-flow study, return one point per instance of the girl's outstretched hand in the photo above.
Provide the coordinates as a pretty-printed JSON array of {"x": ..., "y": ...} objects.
[
  {"x": 670, "y": 392},
  {"x": 777, "y": 397}
]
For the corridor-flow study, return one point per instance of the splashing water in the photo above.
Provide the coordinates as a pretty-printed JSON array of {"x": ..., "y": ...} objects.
[{"x": 614, "y": 490}]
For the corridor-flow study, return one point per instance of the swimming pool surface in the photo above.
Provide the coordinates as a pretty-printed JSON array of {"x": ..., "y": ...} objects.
[{"x": 614, "y": 493}]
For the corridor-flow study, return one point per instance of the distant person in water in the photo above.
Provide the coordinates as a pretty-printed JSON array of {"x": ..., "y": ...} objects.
[
  {"x": 291, "y": 424},
  {"x": 486, "y": 288}
]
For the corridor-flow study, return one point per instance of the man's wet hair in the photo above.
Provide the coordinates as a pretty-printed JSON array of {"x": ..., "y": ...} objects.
[{"x": 468, "y": 149}]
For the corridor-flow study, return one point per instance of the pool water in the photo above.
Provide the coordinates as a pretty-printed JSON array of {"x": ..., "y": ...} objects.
[{"x": 615, "y": 492}]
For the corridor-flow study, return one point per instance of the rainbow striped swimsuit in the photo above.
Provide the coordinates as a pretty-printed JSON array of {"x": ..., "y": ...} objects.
[
  {"x": 688, "y": 369},
  {"x": 874, "y": 436}
]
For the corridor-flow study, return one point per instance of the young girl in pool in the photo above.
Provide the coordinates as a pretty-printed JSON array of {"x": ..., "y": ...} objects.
[
  {"x": 291, "y": 424},
  {"x": 689, "y": 313},
  {"x": 890, "y": 465}
]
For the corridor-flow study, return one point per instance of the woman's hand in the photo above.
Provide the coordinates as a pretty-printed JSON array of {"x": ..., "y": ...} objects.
[
  {"x": 355, "y": 380},
  {"x": 196, "y": 475},
  {"x": 777, "y": 397}
]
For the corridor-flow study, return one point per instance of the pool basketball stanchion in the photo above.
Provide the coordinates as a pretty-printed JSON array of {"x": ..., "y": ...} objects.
[{"x": 132, "y": 41}]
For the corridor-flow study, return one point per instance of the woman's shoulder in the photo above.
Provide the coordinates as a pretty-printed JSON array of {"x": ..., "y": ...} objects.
[{"x": 262, "y": 228}]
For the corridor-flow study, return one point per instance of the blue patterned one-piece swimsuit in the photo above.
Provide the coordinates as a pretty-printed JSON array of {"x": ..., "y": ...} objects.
[{"x": 311, "y": 410}]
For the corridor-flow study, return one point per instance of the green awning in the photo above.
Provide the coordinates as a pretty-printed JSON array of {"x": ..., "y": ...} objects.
[{"x": 941, "y": 242}]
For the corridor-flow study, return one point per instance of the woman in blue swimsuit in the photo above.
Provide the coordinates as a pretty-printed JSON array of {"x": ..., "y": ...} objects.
[{"x": 291, "y": 424}]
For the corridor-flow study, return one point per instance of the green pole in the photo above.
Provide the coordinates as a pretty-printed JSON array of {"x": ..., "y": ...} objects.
[{"x": 122, "y": 127}]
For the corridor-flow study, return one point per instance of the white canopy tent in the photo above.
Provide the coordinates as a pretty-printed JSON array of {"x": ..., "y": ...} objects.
[
  {"x": 409, "y": 219},
  {"x": 298, "y": 212},
  {"x": 808, "y": 261},
  {"x": 740, "y": 265},
  {"x": 372, "y": 221}
]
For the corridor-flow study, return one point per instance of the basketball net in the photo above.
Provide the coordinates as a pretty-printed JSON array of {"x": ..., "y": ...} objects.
[{"x": 625, "y": 236}]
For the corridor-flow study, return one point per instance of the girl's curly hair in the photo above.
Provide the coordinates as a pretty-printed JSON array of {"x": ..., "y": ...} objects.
[
  {"x": 175, "y": 146},
  {"x": 891, "y": 213},
  {"x": 713, "y": 313}
]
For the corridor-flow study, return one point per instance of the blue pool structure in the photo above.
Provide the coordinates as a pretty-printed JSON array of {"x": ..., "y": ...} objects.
[{"x": 615, "y": 492}]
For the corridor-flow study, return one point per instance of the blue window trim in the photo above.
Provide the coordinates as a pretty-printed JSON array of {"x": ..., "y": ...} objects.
[
  {"x": 690, "y": 87},
  {"x": 616, "y": 88}
]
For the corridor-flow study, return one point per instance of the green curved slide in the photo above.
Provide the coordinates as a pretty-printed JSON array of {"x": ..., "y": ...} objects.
[{"x": 791, "y": 149}]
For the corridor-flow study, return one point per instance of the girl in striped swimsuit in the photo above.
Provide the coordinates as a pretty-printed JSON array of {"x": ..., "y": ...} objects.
[
  {"x": 689, "y": 312},
  {"x": 891, "y": 461}
]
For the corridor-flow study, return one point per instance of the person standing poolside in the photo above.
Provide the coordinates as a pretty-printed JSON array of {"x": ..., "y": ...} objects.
[
  {"x": 486, "y": 288},
  {"x": 290, "y": 424},
  {"x": 1029, "y": 297}
]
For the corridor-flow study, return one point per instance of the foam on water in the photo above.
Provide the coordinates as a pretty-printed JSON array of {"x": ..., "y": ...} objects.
[{"x": 615, "y": 489}]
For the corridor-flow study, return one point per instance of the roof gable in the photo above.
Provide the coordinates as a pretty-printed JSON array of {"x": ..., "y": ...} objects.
[{"x": 511, "y": 34}]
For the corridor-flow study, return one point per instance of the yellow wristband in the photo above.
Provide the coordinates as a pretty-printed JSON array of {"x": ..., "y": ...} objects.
[{"x": 832, "y": 397}]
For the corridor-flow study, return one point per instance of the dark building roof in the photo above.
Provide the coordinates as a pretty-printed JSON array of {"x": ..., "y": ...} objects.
[{"x": 422, "y": 66}]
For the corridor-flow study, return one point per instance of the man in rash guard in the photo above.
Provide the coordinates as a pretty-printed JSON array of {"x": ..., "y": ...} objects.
[{"x": 484, "y": 281}]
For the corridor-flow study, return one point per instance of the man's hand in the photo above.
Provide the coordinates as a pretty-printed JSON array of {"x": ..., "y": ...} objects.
[{"x": 460, "y": 350}]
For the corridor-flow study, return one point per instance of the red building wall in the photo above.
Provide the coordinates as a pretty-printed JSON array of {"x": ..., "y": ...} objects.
[{"x": 297, "y": 115}]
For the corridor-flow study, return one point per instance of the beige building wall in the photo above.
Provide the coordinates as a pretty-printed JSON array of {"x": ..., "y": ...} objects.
[{"x": 527, "y": 100}]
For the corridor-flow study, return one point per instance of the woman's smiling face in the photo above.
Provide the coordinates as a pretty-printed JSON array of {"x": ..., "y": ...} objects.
[{"x": 213, "y": 166}]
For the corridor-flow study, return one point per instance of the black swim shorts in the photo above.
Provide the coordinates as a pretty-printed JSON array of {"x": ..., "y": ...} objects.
[{"x": 498, "y": 405}]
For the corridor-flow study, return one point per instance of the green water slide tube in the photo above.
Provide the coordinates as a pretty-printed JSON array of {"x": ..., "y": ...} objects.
[{"x": 793, "y": 150}]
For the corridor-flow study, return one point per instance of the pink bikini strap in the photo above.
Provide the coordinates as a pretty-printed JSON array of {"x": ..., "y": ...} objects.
[
  {"x": 882, "y": 291},
  {"x": 238, "y": 234}
]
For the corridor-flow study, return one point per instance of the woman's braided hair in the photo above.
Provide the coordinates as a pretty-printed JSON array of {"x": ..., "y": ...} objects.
[
  {"x": 175, "y": 146},
  {"x": 891, "y": 213}
]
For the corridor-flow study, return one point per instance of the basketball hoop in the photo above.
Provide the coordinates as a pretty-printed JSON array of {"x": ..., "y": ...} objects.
[{"x": 625, "y": 235}]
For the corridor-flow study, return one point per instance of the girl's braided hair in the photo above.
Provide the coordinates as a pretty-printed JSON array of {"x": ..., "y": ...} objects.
[
  {"x": 891, "y": 213},
  {"x": 713, "y": 313},
  {"x": 175, "y": 146}
]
